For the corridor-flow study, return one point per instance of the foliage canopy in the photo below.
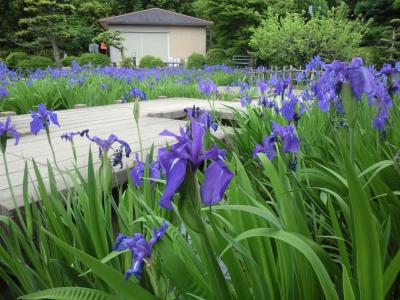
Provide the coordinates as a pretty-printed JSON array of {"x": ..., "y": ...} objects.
[{"x": 293, "y": 39}]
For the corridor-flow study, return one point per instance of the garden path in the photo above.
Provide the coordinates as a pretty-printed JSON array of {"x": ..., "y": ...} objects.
[{"x": 155, "y": 116}]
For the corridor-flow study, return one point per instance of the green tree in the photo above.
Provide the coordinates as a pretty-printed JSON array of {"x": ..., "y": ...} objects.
[
  {"x": 390, "y": 43},
  {"x": 112, "y": 39},
  {"x": 127, "y": 6},
  {"x": 292, "y": 40},
  {"x": 89, "y": 12},
  {"x": 381, "y": 11},
  {"x": 234, "y": 20},
  {"x": 46, "y": 24},
  {"x": 10, "y": 12},
  {"x": 84, "y": 25}
]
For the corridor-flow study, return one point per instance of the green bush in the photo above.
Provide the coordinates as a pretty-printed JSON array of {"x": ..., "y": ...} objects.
[
  {"x": 149, "y": 61},
  {"x": 195, "y": 60},
  {"x": 67, "y": 61},
  {"x": 96, "y": 59},
  {"x": 216, "y": 57},
  {"x": 293, "y": 39},
  {"x": 15, "y": 57},
  {"x": 35, "y": 62},
  {"x": 126, "y": 62}
]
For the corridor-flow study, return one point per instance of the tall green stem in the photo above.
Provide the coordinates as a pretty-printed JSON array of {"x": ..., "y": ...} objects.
[
  {"x": 189, "y": 210},
  {"x": 74, "y": 152},
  {"x": 12, "y": 192},
  {"x": 140, "y": 140},
  {"x": 136, "y": 115},
  {"x": 54, "y": 156},
  {"x": 8, "y": 179},
  {"x": 351, "y": 142}
]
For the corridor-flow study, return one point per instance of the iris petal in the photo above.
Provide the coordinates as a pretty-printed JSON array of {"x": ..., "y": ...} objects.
[
  {"x": 216, "y": 180},
  {"x": 36, "y": 125},
  {"x": 176, "y": 172}
]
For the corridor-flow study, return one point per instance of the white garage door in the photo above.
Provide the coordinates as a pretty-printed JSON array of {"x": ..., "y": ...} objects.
[{"x": 147, "y": 43}]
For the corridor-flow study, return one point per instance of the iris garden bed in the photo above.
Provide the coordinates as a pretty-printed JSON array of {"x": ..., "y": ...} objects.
[
  {"x": 64, "y": 88},
  {"x": 302, "y": 204}
]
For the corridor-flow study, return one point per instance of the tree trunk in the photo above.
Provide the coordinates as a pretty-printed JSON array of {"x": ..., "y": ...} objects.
[{"x": 56, "y": 51}]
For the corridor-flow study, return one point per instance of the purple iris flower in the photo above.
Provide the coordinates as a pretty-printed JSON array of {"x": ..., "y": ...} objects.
[
  {"x": 207, "y": 121},
  {"x": 288, "y": 108},
  {"x": 189, "y": 152},
  {"x": 273, "y": 80},
  {"x": 361, "y": 79},
  {"x": 288, "y": 135},
  {"x": 315, "y": 62},
  {"x": 106, "y": 145},
  {"x": 125, "y": 97},
  {"x": 388, "y": 70},
  {"x": 193, "y": 112},
  {"x": 69, "y": 136},
  {"x": 245, "y": 99},
  {"x": 6, "y": 128},
  {"x": 328, "y": 88},
  {"x": 217, "y": 177},
  {"x": 396, "y": 85},
  {"x": 268, "y": 147},
  {"x": 207, "y": 87},
  {"x": 3, "y": 92},
  {"x": 139, "y": 247},
  {"x": 138, "y": 93},
  {"x": 282, "y": 84},
  {"x": 263, "y": 86},
  {"x": 265, "y": 102},
  {"x": 137, "y": 172},
  {"x": 300, "y": 77},
  {"x": 42, "y": 119},
  {"x": 243, "y": 87},
  {"x": 306, "y": 95},
  {"x": 104, "y": 86},
  {"x": 381, "y": 119},
  {"x": 202, "y": 116}
]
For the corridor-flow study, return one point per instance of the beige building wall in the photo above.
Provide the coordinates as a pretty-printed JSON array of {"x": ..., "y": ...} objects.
[
  {"x": 183, "y": 41},
  {"x": 176, "y": 42}
]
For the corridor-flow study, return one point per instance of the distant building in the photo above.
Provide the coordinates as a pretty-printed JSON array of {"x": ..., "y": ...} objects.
[{"x": 162, "y": 33}]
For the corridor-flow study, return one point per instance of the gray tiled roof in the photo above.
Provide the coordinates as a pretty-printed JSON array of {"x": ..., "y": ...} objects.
[{"x": 154, "y": 17}]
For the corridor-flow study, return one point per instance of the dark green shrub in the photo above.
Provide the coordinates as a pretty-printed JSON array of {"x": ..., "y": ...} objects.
[
  {"x": 4, "y": 54},
  {"x": 96, "y": 59},
  {"x": 126, "y": 62},
  {"x": 195, "y": 60},
  {"x": 149, "y": 61},
  {"x": 35, "y": 62},
  {"x": 15, "y": 57},
  {"x": 67, "y": 61},
  {"x": 216, "y": 57}
]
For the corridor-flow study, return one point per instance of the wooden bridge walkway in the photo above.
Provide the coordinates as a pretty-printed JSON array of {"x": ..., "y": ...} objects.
[{"x": 155, "y": 116}]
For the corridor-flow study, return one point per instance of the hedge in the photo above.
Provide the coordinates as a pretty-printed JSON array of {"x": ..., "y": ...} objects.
[
  {"x": 195, "y": 60},
  {"x": 35, "y": 62},
  {"x": 96, "y": 59},
  {"x": 149, "y": 61},
  {"x": 14, "y": 57}
]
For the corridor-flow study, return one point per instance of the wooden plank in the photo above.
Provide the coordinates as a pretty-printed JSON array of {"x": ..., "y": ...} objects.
[{"x": 102, "y": 121}]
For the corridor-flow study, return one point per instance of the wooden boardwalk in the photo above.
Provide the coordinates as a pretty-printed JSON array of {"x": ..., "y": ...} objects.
[{"x": 155, "y": 116}]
